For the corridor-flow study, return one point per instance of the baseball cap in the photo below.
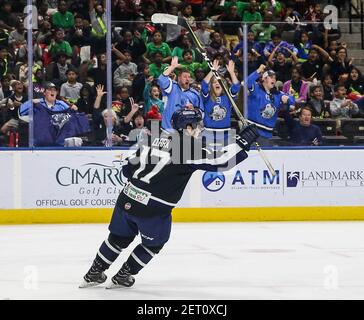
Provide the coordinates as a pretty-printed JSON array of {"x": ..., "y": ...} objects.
[
  {"x": 50, "y": 85},
  {"x": 268, "y": 73}
]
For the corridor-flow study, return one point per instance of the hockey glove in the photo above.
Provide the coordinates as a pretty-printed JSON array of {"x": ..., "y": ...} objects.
[{"x": 247, "y": 136}]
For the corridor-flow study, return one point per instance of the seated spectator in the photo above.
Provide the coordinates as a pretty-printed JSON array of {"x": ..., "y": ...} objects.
[
  {"x": 254, "y": 61},
  {"x": 231, "y": 27},
  {"x": 252, "y": 14},
  {"x": 328, "y": 87},
  {"x": 60, "y": 45},
  {"x": 291, "y": 17},
  {"x": 355, "y": 88},
  {"x": 157, "y": 67},
  {"x": 196, "y": 6},
  {"x": 144, "y": 29},
  {"x": 17, "y": 37},
  {"x": 263, "y": 31},
  {"x": 280, "y": 46},
  {"x": 302, "y": 132},
  {"x": 57, "y": 70},
  {"x": 79, "y": 34},
  {"x": 98, "y": 72},
  {"x": 340, "y": 68},
  {"x": 70, "y": 90},
  {"x": 317, "y": 103},
  {"x": 117, "y": 137},
  {"x": 275, "y": 7},
  {"x": 341, "y": 107},
  {"x": 14, "y": 101},
  {"x": 38, "y": 83},
  {"x": 98, "y": 27},
  {"x": 184, "y": 43},
  {"x": 139, "y": 127},
  {"x": 152, "y": 95},
  {"x": 87, "y": 99},
  {"x": 296, "y": 87},
  {"x": 63, "y": 18},
  {"x": 43, "y": 14},
  {"x": 186, "y": 12},
  {"x": 200, "y": 74},
  {"x": 4, "y": 61},
  {"x": 134, "y": 44},
  {"x": 314, "y": 14},
  {"x": 122, "y": 102},
  {"x": 188, "y": 63},
  {"x": 252, "y": 44},
  {"x": 157, "y": 44},
  {"x": 216, "y": 46},
  {"x": 202, "y": 32},
  {"x": 125, "y": 73},
  {"x": 304, "y": 46},
  {"x": 313, "y": 67},
  {"x": 139, "y": 81},
  {"x": 8, "y": 19},
  {"x": 282, "y": 66}
]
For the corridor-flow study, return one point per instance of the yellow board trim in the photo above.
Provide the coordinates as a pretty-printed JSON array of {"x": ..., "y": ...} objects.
[{"x": 59, "y": 215}]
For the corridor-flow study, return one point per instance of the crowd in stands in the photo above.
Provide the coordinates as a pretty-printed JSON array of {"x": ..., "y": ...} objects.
[{"x": 311, "y": 63}]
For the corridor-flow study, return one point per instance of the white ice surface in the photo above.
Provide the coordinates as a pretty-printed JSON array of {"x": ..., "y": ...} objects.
[{"x": 289, "y": 260}]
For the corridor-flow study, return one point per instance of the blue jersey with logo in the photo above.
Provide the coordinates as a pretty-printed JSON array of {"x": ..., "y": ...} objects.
[
  {"x": 175, "y": 98},
  {"x": 217, "y": 112},
  {"x": 263, "y": 106}
]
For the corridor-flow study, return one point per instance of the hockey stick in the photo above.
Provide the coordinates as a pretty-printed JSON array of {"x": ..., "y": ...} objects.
[{"x": 162, "y": 18}]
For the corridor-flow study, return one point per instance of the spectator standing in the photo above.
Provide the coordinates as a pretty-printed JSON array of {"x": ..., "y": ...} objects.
[{"x": 178, "y": 94}]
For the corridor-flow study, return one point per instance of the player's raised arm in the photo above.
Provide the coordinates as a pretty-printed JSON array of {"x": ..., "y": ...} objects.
[
  {"x": 252, "y": 78},
  {"x": 228, "y": 156}
]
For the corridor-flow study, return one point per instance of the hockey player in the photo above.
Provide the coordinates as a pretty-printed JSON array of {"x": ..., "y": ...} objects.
[
  {"x": 264, "y": 102},
  {"x": 157, "y": 175}
]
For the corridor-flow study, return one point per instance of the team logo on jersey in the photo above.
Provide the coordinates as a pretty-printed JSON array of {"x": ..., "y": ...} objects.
[
  {"x": 213, "y": 181},
  {"x": 60, "y": 119},
  {"x": 268, "y": 111},
  {"x": 218, "y": 113},
  {"x": 127, "y": 206}
]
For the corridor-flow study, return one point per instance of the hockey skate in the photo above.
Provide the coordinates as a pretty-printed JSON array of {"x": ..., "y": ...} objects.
[
  {"x": 93, "y": 277},
  {"x": 122, "y": 279}
]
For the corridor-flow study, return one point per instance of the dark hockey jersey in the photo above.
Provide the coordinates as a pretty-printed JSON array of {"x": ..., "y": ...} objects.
[{"x": 163, "y": 164}]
